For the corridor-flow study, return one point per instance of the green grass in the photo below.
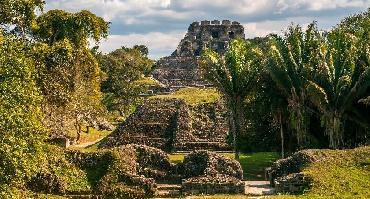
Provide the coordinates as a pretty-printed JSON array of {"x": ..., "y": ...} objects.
[
  {"x": 94, "y": 147},
  {"x": 147, "y": 81},
  {"x": 93, "y": 135},
  {"x": 219, "y": 196},
  {"x": 176, "y": 158},
  {"x": 193, "y": 96},
  {"x": 253, "y": 164},
  {"x": 340, "y": 174}
]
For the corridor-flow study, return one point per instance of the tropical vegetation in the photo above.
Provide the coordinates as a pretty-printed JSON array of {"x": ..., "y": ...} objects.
[{"x": 306, "y": 88}]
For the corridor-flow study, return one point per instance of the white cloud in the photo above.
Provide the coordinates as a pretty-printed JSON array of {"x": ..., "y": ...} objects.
[
  {"x": 317, "y": 5},
  {"x": 160, "y": 24},
  {"x": 258, "y": 30},
  {"x": 159, "y": 44}
]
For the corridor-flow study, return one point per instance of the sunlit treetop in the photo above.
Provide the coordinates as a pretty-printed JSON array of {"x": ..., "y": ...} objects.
[
  {"x": 19, "y": 15},
  {"x": 57, "y": 25}
]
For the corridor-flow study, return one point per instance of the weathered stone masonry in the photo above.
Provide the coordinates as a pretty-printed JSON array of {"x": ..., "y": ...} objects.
[
  {"x": 171, "y": 124},
  {"x": 181, "y": 68}
]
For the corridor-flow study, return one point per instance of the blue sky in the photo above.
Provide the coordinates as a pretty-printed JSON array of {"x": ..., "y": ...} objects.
[{"x": 161, "y": 24}]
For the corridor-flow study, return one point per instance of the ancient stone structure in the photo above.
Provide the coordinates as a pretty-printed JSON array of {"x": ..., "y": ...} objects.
[
  {"x": 211, "y": 173},
  {"x": 139, "y": 171},
  {"x": 286, "y": 174},
  {"x": 171, "y": 124},
  {"x": 181, "y": 68},
  {"x": 293, "y": 183},
  {"x": 214, "y": 35}
]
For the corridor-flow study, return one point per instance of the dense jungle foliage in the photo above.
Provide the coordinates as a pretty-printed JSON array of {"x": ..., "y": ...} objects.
[
  {"x": 304, "y": 89},
  {"x": 313, "y": 90}
]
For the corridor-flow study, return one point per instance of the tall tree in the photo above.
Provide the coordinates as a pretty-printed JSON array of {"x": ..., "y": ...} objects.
[
  {"x": 343, "y": 76},
  {"x": 234, "y": 74},
  {"x": 18, "y": 16},
  {"x": 123, "y": 68},
  {"x": 21, "y": 131},
  {"x": 291, "y": 57},
  {"x": 69, "y": 74},
  {"x": 323, "y": 75}
]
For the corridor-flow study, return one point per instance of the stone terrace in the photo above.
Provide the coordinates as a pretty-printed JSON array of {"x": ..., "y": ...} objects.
[{"x": 171, "y": 124}]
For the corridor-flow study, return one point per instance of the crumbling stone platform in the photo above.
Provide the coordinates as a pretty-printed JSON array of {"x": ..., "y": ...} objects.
[{"x": 173, "y": 125}]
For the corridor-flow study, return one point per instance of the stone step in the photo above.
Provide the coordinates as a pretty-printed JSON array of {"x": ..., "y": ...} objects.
[
  {"x": 168, "y": 186},
  {"x": 167, "y": 193},
  {"x": 84, "y": 196},
  {"x": 258, "y": 188},
  {"x": 168, "y": 190}
]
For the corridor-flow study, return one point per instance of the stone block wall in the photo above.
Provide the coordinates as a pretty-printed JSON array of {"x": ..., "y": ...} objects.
[
  {"x": 208, "y": 34},
  {"x": 286, "y": 174},
  {"x": 178, "y": 72},
  {"x": 220, "y": 184},
  {"x": 204, "y": 126},
  {"x": 293, "y": 183},
  {"x": 211, "y": 173},
  {"x": 171, "y": 124},
  {"x": 181, "y": 68}
]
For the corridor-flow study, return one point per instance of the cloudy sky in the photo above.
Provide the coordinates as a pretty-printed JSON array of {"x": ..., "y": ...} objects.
[{"x": 160, "y": 24}]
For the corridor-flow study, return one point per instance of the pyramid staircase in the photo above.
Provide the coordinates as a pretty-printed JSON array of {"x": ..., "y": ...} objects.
[{"x": 168, "y": 191}]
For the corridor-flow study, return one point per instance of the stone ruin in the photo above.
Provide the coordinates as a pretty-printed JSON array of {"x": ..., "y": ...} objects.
[
  {"x": 181, "y": 68},
  {"x": 286, "y": 174},
  {"x": 173, "y": 125}
]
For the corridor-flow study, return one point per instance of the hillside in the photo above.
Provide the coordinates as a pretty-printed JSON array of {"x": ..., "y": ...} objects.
[
  {"x": 339, "y": 174},
  {"x": 334, "y": 174}
]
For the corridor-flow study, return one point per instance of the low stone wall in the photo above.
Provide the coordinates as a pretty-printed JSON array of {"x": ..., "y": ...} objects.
[
  {"x": 285, "y": 174},
  {"x": 210, "y": 173},
  {"x": 293, "y": 183},
  {"x": 206, "y": 163},
  {"x": 292, "y": 164},
  {"x": 212, "y": 185}
]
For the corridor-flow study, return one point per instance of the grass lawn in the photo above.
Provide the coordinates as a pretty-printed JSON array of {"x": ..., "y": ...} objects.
[
  {"x": 93, "y": 135},
  {"x": 340, "y": 174},
  {"x": 193, "y": 96},
  {"x": 253, "y": 164}
]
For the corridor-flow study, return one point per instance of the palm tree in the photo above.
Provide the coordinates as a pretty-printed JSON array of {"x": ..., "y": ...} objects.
[
  {"x": 235, "y": 74},
  {"x": 289, "y": 58},
  {"x": 342, "y": 78},
  {"x": 321, "y": 74}
]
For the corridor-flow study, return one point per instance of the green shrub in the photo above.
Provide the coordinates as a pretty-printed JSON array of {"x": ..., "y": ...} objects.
[
  {"x": 21, "y": 131},
  {"x": 46, "y": 182}
]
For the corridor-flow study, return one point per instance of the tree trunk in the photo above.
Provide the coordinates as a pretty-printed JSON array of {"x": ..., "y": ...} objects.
[
  {"x": 78, "y": 128},
  {"x": 281, "y": 136},
  {"x": 233, "y": 132},
  {"x": 237, "y": 120}
]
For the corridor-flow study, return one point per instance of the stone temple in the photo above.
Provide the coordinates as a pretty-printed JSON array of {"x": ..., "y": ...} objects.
[
  {"x": 181, "y": 69},
  {"x": 172, "y": 124}
]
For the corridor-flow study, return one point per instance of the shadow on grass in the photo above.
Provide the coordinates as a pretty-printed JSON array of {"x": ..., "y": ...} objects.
[{"x": 254, "y": 164}]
